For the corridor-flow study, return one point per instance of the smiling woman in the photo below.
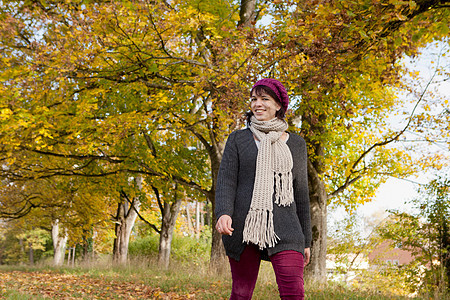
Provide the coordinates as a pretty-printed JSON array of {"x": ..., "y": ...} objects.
[{"x": 262, "y": 198}]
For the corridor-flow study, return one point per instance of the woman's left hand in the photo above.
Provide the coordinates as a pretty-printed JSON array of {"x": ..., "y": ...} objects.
[{"x": 307, "y": 256}]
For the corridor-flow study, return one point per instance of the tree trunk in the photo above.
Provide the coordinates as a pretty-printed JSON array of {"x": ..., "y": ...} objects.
[
  {"x": 59, "y": 244},
  {"x": 208, "y": 214},
  {"x": 189, "y": 221},
  {"x": 218, "y": 261},
  {"x": 69, "y": 255},
  {"x": 197, "y": 219},
  {"x": 22, "y": 249},
  {"x": 30, "y": 253},
  {"x": 316, "y": 270},
  {"x": 87, "y": 246},
  {"x": 125, "y": 219},
  {"x": 247, "y": 13},
  {"x": 445, "y": 251},
  {"x": 74, "y": 249},
  {"x": 170, "y": 214}
]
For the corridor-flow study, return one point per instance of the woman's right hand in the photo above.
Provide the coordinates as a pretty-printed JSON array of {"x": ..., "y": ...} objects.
[{"x": 223, "y": 225}]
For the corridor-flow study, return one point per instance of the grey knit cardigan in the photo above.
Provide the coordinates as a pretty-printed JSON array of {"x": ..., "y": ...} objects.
[{"x": 234, "y": 190}]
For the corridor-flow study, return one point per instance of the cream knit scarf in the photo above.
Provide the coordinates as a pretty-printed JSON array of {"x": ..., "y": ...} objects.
[{"x": 273, "y": 174}]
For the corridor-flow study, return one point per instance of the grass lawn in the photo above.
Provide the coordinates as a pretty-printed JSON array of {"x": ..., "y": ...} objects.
[{"x": 144, "y": 280}]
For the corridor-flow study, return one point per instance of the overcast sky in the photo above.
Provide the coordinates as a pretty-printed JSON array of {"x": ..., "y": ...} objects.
[{"x": 396, "y": 192}]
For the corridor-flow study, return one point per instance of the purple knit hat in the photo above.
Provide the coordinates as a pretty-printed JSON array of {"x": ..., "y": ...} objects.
[{"x": 277, "y": 87}]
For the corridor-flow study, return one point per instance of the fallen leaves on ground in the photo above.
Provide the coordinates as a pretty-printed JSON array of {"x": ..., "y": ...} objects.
[{"x": 54, "y": 285}]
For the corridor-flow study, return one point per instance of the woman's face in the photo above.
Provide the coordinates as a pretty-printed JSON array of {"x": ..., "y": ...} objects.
[{"x": 264, "y": 107}]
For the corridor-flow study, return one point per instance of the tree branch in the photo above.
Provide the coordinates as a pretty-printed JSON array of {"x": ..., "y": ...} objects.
[
  {"x": 138, "y": 213},
  {"x": 349, "y": 180},
  {"x": 158, "y": 197}
]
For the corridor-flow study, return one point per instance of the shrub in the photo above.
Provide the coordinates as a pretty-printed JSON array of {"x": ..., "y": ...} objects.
[
  {"x": 184, "y": 248},
  {"x": 145, "y": 246}
]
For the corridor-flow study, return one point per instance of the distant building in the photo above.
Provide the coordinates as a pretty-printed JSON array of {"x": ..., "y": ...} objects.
[
  {"x": 389, "y": 253},
  {"x": 344, "y": 268}
]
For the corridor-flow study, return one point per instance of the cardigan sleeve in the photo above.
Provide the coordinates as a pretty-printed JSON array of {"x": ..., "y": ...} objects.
[
  {"x": 301, "y": 193},
  {"x": 227, "y": 179}
]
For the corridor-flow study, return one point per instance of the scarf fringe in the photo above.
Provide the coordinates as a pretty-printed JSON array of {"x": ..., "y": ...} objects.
[
  {"x": 259, "y": 229},
  {"x": 284, "y": 192}
]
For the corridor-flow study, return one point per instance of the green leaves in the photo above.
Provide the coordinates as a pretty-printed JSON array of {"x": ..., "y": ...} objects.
[{"x": 424, "y": 233}]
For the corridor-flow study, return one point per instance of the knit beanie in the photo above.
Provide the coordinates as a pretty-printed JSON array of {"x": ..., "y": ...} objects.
[{"x": 278, "y": 88}]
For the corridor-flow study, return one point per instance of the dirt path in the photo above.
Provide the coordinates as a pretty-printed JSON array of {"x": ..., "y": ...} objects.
[{"x": 54, "y": 285}]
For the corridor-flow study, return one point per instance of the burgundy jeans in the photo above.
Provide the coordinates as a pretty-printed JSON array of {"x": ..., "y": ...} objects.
[{"x": 288, "y": 267}]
